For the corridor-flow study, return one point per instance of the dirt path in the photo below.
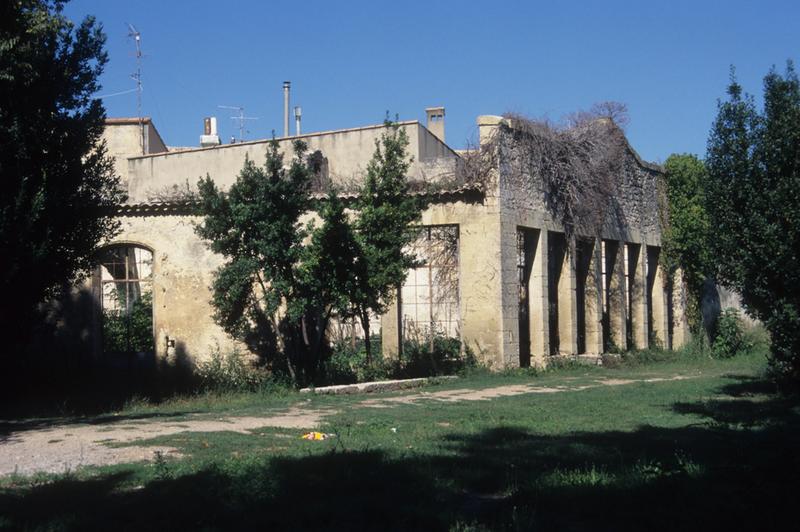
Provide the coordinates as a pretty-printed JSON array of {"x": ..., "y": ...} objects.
[
  {"x": 62, "y": 448},
  {"x": 470, "y": 394}
]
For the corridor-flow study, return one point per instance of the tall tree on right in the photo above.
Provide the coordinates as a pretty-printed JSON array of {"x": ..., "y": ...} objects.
[{"x": 753, "y": 201}]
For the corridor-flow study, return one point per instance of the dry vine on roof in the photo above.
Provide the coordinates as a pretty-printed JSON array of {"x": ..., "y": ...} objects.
[
  {"x": 576, "y": 164},
  {"x": 579, "y": 164}
]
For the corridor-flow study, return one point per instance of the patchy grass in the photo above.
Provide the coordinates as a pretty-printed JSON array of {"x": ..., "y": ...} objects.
[{"x": 715, "y": 449}]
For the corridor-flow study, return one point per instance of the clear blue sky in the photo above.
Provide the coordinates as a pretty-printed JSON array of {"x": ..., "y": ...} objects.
[{"x": 349, "y": 62}]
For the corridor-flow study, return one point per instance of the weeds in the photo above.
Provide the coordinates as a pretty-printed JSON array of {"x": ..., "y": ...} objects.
[
  {"x": 160, "y": 466},
  {"x": 229, "y": 372},
  {"x": 421, "y": 357}
]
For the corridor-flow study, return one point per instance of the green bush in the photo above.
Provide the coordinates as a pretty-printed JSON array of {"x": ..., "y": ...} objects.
[
  {"x": 421, "y": 357},
  {"x": 348, "y": 363},
  {"x": 129, "y": 331},
  {"x": 440, "y": 355},
  {"x": 230, "y": 372},
  {"x": 730, "y": 338}
]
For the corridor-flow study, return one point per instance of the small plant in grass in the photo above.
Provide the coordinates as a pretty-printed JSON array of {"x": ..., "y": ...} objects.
[
  {"x": 647, "y": 470},
  {"x": 587, "y": 476},
  {"x": 730, "y": 338},
  {"x": 688, "y": 466},
  {"x": 161, "y": 467}
]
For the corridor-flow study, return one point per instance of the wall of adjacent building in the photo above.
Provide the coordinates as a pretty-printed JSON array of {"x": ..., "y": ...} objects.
[{"x": 346, "y": 151}]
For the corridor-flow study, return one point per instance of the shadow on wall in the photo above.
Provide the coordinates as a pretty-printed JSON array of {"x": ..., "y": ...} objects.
[{"x": 64, "y": 335}]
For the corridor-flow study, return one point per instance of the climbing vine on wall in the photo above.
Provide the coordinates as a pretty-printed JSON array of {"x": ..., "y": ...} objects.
[
  {"x": 577, "y": 163},
  {"x": 686, "y": 229}
]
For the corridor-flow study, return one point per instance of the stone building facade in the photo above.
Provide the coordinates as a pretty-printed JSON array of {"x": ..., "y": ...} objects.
[{"x": 497, "y": 270}]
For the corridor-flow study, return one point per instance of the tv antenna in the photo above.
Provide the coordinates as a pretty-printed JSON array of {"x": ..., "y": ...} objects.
[
  {"x": 137, "y": 77},
  {"x": 240, "y": 117}
]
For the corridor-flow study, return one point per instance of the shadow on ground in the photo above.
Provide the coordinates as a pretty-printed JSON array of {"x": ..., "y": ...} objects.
[{"x": 735, "y": 466}]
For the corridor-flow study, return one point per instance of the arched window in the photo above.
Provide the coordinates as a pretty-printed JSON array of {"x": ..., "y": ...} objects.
[{"x": 126, "y": 295}]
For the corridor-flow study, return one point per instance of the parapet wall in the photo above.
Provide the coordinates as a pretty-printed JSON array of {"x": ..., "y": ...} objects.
[{"x": 347, "y": 153}]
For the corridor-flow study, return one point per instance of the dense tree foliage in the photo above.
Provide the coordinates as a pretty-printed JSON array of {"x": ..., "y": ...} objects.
[
  {"x": 57, "y": 183},
  {"x": 753, "y": 200},
  {"x": 330, "y": 270},
  {"x": 685, "y": 240},
  {"x": 386, "y": 212},
  {"x": 256, "y": 227}
]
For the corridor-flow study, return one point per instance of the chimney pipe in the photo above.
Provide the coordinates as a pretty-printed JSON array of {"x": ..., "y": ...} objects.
[
  {"x": 298, "y": 113},
  {"x": 286, "y": 85}
]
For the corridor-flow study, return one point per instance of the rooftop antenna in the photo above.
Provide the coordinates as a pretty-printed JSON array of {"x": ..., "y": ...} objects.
[
  {"x": 240, "y": 117},
  {"x": 137, "y": 77}
]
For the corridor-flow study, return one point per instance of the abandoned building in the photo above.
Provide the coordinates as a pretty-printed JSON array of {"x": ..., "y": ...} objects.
[{"x": 498, "y": 270}]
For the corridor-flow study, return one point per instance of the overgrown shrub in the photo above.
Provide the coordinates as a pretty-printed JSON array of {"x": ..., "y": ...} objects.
[
  {"x": 421, "y": 357},
  {"x": 348, "y": 363},
  {"x": 440, "y": 355},
  {"x": 229, "y": 372},
  {"x": 730, "y": 339}
]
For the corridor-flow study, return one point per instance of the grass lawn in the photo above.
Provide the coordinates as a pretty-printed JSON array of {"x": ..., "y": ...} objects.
[{"x": 715, "y": 449}]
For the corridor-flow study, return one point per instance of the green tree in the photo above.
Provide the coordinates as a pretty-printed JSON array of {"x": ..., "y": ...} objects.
[
  {"x": 256, "y": 227},
  {"x": 386, "y": 212},
  {"x": 753, "y": 201},
  {"x": 685, "y": 242},
  {"x": 329, "y": 272},
  {"x": 275, "y": 292},
  {"x": 57, "y": 183}
]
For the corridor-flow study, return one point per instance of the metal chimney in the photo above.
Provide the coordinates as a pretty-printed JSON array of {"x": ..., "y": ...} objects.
[
  {"x": 298, "y": 113},
  {"x": 286, "y": 85}
]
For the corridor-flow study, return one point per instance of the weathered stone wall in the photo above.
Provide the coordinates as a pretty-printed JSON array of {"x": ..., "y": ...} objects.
[{"x": 182, "y": 275}]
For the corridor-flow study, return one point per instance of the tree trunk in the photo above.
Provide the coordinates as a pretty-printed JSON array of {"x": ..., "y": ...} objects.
[{"x": 367, "y": 342}]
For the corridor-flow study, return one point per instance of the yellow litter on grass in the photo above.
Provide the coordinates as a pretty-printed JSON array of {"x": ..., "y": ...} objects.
[{"x": 315, "y": 436}]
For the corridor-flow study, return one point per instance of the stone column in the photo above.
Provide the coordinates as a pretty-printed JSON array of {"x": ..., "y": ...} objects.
[
  {"x": 539, "y": 302},
  {"x": 593, "y": 299},
  {"x": 391, "y": 324},
  {"x": 637, "y": 264},
  {"x": 658, "y": 298},
  {"x": 567, "y": 305},
  {"x": 480, "y": 266},
  {"x": 615, "y": 281},
  {"x": 509, "y": 272}
]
